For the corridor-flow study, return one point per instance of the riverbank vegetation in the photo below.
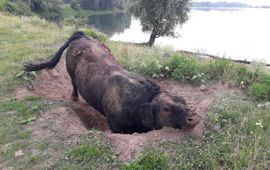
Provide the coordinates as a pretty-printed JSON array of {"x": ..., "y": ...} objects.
[
  {"x": 160, "y": 17},
  {"x": 237, "y": 134},
  {"x": 57, "y": 10}
]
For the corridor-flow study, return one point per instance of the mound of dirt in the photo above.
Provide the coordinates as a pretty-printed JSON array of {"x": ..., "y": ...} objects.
[{"x": 79, "y": 117}]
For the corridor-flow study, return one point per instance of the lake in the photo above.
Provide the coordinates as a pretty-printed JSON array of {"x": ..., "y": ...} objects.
[{"x": 232, "y": 33}]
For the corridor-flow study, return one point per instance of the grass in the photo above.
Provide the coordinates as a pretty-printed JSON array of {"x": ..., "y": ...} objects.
[
  {"x": 237, "y": 134},
  {"x": 237, "y": 137},
  {"x": 90, "y": 153},
  {"x": 149, "y": 159},
  {"x": 24, "y": 39},
  {"x": 164, "y": 63},
  {"x": 14, "y": 115}
]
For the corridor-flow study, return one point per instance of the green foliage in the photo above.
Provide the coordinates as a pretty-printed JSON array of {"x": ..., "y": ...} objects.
[
  {"x": 260, "y": 89},
  {"x": 94, "y": 33},
  {"x": 89, "y": 154},
  {"x": 183, "y": 68},
  {"x": 149, "y": 159},
  {"x": 15, "y": 7},
  {"x": 23, "y": 39},
  {"x": 160, "y": 17},
  {"x": 163, "y": 63},
  {"x": 24, "y": 112},
  {"x": 218, "y": 68},
  {"x": 27, "y": 78},
  {"x": 178, "y": 67},
  {"x": 48, "y": 9},
  {"x": 92, "y": 152},
  {"x": 236, "y": 137}
]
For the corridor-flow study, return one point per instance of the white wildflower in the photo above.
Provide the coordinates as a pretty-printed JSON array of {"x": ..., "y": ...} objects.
[
  {"x": 159, "y": 66},
  {"x": 259, "y": 123}
]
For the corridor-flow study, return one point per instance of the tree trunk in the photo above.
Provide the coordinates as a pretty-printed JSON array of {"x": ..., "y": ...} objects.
[{"x": 152, "y": 39}]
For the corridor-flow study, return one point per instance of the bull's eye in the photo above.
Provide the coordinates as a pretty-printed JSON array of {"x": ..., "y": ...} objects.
[{"x": 166, "y": 109}]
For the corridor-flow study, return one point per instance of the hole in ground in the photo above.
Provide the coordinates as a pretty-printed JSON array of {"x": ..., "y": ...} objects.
[{"x": 90, "y": 118}]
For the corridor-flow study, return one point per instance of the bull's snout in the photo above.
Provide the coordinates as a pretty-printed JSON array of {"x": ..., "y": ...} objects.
[{"x": 192, "y": 120}]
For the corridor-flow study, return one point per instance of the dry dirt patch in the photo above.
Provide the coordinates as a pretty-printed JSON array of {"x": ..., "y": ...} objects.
[{"x": 79, "y": 117}]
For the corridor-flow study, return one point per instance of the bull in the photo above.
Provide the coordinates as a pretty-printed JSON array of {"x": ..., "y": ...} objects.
[{"x": 131, "y": 103}]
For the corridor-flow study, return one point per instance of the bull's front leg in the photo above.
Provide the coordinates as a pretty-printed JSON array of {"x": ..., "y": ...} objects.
[{"x": 75, "y": 95}]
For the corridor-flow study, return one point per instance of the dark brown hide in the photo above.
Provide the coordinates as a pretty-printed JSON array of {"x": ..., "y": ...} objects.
[{"x": 130, "y": 102}]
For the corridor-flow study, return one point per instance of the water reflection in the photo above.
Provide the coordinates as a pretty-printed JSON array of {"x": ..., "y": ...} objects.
[{"x": 111, "y": 23}]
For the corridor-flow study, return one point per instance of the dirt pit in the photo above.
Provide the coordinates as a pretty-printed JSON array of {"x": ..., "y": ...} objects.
[{"x": 78, "y": 117}]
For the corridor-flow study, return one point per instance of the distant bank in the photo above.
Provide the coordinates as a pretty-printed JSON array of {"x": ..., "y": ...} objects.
[{"x": 224, "y": 4}]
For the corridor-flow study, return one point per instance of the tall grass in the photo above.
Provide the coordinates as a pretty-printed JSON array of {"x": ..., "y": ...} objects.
[
  {"x": 164, "y": 63},
  {"x": 23, "y": 39}
]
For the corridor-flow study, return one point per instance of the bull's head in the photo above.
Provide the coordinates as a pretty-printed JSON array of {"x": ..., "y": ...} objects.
[{"x": 172, "y": 111}]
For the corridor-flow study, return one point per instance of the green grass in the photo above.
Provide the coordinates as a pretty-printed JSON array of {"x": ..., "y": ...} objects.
[
  {"x": 237, "y": 134},
  {"x": 149, "y": 159},
  {"x": 164, "y": 63},
  {"x": 237, "y": 137},
  {"x": 91, "y": 152},
  {"x": 24, "y": 39},
  {"x": 14, "y": 115}
]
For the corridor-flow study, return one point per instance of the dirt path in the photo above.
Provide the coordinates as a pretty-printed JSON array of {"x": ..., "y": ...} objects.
[{"x": 78, "y": 117}]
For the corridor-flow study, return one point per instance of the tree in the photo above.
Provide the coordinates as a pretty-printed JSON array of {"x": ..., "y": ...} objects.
[
  {"x": 160, "y": 17},
  {"x": 48, "y": 9}
]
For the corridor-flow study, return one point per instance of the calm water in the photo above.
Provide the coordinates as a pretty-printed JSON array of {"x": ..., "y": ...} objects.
[{"x": 239, "y": 34}]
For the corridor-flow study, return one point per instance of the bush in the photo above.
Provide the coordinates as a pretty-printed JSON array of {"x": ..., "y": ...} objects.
[{"x": 16, "y": 7}]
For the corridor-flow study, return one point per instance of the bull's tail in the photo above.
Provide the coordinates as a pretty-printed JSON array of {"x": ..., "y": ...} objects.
[{"x": 53, "y": 61}]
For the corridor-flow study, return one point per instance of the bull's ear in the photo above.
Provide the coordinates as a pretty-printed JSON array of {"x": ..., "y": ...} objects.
[
  {"x": 148, "y": 113},
  {"x": 149, "y": 108}
]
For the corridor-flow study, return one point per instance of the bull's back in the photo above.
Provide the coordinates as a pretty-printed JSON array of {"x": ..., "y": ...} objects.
[{"x": 89, "y": 64}]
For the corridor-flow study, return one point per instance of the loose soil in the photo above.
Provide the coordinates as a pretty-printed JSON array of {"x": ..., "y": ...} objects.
[{"x": 78, "y": 117}]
